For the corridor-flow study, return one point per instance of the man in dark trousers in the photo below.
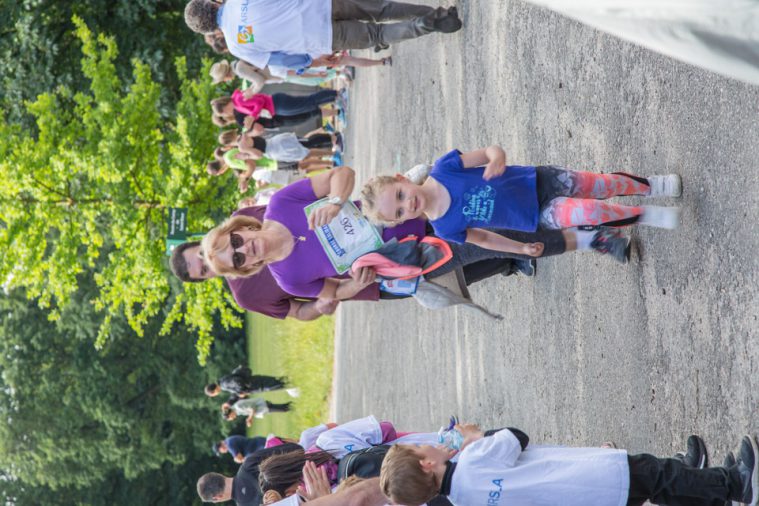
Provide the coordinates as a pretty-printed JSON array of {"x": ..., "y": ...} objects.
[{"x": 242, "y": 382}]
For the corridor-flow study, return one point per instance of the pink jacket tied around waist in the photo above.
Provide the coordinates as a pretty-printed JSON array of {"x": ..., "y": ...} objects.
[{"x": 407, "y": 258}]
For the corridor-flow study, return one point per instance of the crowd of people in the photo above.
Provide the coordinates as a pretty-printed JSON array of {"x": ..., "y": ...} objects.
[{"x": 483, "y": 217}]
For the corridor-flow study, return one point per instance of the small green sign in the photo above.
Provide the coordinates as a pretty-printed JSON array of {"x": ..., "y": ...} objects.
[{"x": 177, "y": 220}]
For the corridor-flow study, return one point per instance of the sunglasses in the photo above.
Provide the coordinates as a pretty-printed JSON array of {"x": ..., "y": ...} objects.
[{"x": 236, "y": 241}]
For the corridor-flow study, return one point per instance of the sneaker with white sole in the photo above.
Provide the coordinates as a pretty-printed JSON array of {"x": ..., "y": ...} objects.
[
  {"x": 748, "y": 471},
  {"x": 660, "y": 217},
  {"x": 293, "y": 392},
  {"x": 609, "y": 241},
  {"x": 696, "y": 455},
  {"x": 669, "y": 185}
]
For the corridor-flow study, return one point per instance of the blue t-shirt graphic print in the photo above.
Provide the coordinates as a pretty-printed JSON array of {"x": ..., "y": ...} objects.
[{"x": 509, "y": 201}]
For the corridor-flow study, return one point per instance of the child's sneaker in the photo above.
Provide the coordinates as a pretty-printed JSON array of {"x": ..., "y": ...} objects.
[
  {"x": 293, "y": 392},
  {"x": 609, "y": 241},
  {"x": 696, "y": 455},
  {"x": 337, "y": 160},
  {"x": 660, "y": 217},
  {"x": 528, "y": 267},
  {"x": 341, "y": 117},
  {"x": 748, "y": 471},
  {"x": 665, "y": 186}
]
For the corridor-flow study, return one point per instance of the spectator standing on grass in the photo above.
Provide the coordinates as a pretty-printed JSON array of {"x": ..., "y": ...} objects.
[
  {"x": 253, "y": 407},
  {"x": 242, "y": 382}
]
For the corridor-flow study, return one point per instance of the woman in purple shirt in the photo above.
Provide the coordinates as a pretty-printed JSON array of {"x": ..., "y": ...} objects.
[{"x": 287, "y": 244}]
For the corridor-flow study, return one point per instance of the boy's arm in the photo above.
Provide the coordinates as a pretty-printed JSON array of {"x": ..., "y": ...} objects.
[
  {"x": 503, "y": 447},
  {"x": 493, "y": 157},
  {"x": 471, "y": 433},
  {"x": 492, "y": 241}
]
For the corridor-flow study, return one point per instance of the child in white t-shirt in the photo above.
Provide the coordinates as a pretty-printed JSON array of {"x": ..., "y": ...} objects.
[{"x": 503, "y": 470}]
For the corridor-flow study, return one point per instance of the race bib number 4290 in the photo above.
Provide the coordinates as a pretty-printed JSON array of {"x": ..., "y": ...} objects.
[{"x": 348, "y": 236}]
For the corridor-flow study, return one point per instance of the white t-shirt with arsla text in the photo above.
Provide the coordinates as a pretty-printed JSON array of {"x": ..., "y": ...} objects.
[{"x": 494, "y": 471}]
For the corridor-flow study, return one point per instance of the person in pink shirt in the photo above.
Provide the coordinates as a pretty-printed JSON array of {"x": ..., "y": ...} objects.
[{"x": 278, "y": 104}]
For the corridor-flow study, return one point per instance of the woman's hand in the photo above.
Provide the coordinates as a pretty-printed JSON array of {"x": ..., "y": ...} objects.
[
  {"x": 249, "y": 420},
  {"x": 242, "y": 185},
  {"x": 364, "y": 275},
  {"x": 534, "y": 249},
  {"x": 323, "y": 215},
  {"x": 316, "y": 484}
]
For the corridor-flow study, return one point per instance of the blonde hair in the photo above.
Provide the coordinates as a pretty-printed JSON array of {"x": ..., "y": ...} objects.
[
  {"x": 229, "y": 137},
  {"x": 403, "y": 480},
  {"x": 369, "y": 194},
  {"x": 218, "y": 104},
  {"x": 216, "y": 242},
  {"x": 220, "y": 71}
]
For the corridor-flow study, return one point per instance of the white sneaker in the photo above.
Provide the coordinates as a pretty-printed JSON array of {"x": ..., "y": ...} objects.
[
  {"x": 293, "y": 392},
  {"x": 660, "y": 217},
  {"x": 665, "y": 186}
]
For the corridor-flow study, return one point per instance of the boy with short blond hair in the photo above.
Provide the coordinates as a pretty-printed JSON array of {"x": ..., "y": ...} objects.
[{"x": 503, "y": 470}]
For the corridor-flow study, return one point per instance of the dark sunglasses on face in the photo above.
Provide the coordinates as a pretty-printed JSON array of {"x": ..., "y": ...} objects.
[
  {"x": 236, "y": 241},
  {"x": 238, "y": 260}
]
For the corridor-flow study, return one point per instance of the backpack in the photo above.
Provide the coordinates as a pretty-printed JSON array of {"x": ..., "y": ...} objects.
[{"x": 364, "y": 463}]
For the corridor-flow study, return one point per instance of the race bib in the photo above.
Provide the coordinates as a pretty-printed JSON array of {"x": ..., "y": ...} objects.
[
  {"x": 400, "y": 286},
  {"x": 348, "y": 236}
]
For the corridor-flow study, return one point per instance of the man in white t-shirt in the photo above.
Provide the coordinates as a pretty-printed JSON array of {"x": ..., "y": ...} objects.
[
  {"x": 502, "y": 470},
  {"x": 294, "y": 34}
]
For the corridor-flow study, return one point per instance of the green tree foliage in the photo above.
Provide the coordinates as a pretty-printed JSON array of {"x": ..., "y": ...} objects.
[
  {"x": 39, "y": 50},
  {"x": 78, "y": 418},
  {"x": 95, "y": 182}
]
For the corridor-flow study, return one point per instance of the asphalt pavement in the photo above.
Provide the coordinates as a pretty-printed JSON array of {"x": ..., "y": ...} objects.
[{"x": 589, "y": 350}]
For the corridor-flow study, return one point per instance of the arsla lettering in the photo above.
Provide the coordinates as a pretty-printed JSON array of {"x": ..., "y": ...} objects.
[{"x": 495, "y": 495}]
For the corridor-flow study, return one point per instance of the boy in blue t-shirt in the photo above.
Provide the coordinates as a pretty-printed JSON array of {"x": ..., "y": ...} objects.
[{"x": 467, "y": 193}]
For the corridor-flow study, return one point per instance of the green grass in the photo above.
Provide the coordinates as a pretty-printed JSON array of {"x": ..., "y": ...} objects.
[{"x": 302, "y": 351}]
